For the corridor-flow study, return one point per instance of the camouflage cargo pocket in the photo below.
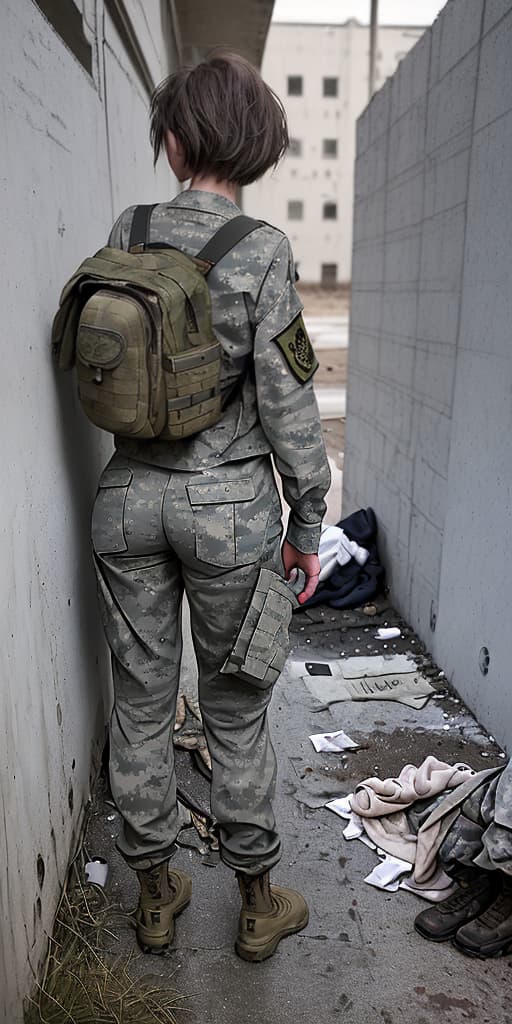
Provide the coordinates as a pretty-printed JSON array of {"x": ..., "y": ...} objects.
[
  {"x": 108, "y": 511},
  {"x": 262, "y": 644},
  {"x": 222, "y": 512}
]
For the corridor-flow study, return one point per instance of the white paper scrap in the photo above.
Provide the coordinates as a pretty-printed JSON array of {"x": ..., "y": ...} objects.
[
  {"x": 332, "y": 742},
  {"x": 354, "y": 829},
  {"x": 341, "y": 806},
  {"x": 385, "y": 875},
  {"x": 387, "y": 633}
]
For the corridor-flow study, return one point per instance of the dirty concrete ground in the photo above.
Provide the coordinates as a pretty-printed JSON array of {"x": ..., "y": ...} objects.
[{"x": 359, "y": 960}]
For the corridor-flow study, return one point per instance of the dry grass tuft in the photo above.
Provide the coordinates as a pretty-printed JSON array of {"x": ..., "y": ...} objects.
[{"x": 85, "y": 984}]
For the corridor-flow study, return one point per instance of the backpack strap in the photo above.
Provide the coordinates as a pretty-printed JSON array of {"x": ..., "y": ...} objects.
[
  {"x": 139, "y": 231},
  {"x": 226, "y": 238},
  {"x": 218, "y": 246}
]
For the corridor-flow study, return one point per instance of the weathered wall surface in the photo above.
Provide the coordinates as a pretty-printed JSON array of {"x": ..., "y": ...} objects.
[
  {"x": 430, "y": 365},
  {"x": 73, "y": 153}
]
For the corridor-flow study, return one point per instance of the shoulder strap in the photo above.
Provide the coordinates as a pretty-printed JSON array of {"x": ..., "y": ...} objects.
[
  {"x": 226, "y": 238},
  {"x": 221, "y": 242},
  {"x": 139, "y": 232}
]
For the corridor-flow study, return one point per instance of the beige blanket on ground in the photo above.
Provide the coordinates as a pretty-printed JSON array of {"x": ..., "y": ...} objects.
[
  {"x": 381, "y": 805},
  {"x": 375, "y": 797}
]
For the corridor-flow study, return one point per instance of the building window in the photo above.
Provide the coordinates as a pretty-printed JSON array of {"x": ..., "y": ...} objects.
[
  {"x": 295, "y": 209},
  {"x": 330, "y": 86},
  {"x": 329, "y": 274},
  {"x": 295, "y": 147},
  {"x": 330, "y": 147},
  {"x": 294, "y": 85},
  {"x": 330, "y": 211},
  {"x": 67, "y": 21}
]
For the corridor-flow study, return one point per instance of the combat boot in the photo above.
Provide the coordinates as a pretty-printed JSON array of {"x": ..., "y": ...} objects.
[
  {"x": 490, "y": 934},
  {"x": 477, "y": 891},
  {"x": 268, "y": 914},
  {"x": 164, "y": 893}
]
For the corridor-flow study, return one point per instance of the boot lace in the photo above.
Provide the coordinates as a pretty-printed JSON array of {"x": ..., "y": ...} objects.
[
  {"x": 459, "y": 899},
  {"x": 498, "y": 912}
]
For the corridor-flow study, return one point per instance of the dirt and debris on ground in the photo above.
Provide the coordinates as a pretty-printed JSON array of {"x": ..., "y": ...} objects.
[{"x": 359, "y": 960}]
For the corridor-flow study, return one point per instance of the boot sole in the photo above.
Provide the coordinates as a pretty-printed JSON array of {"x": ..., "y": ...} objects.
[
  {"x": 436, "y": 938},
  {"x": 255, "y": 954},
  {"x": 502, "y": 951}
]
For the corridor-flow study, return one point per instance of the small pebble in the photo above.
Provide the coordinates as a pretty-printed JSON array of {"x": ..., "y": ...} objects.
[
  {"x": 484, "y": 753},
  {"x": 446, "y": 727}
]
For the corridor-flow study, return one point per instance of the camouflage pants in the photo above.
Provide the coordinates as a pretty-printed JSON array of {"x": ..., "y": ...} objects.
[{"x": 156, "y": 533}]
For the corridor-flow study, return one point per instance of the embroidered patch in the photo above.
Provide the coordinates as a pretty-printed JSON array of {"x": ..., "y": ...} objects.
[{"x": 298, "y": 350}]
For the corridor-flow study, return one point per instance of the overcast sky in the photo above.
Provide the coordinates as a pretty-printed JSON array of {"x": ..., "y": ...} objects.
[{"x": 390, "y": 12}]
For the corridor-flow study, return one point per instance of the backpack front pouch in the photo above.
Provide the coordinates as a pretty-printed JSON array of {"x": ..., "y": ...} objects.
[{"x": 119, "y": 363}]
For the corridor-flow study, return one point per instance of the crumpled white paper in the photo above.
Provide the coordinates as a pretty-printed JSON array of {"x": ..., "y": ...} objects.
[
  {"x": 333, "y": 742},
  {"x": 386, "y": 873},
  {"x": 387, "y": 633}
]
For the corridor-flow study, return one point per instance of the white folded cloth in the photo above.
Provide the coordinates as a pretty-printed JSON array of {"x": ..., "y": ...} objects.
[{"x": 336, "y": 549}]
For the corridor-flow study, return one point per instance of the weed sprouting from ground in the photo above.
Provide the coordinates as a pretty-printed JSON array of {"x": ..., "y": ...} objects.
[{"x": 84, "y": 983}]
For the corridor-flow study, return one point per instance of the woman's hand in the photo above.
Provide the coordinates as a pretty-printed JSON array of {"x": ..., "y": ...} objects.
[{"x": 310, "y": 565}]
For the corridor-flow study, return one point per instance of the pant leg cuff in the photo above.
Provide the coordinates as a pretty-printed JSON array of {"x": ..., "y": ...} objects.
[
  {"x": 142, "y": 862},
  {"x": 248, "y": 865}
]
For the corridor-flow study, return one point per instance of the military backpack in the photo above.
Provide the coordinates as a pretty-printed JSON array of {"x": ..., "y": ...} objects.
[{"x": 138, "y": 327}]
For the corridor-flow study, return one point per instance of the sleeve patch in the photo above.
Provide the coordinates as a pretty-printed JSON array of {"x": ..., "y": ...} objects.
[{"x": 298, "y": 350}]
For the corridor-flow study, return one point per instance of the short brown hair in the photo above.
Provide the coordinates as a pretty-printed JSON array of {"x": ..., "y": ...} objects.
[{"x": 225, "y": 117}]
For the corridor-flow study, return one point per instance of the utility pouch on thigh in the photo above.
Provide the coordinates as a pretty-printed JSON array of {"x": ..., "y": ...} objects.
[{"x": 262, "y": 643}]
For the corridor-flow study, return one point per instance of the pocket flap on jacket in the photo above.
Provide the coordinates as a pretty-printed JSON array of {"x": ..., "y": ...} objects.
[
  {"x": 115, "y": 478},
  {"x": 218, "y": 492}
]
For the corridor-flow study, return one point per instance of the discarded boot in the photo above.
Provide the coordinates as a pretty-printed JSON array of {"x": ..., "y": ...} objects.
[
  {"x": 268, "y": 914},
  {"x": 164, "y": 893},
  {"x": 490, "y": 934},
  {"x": 477, "y": 891}
]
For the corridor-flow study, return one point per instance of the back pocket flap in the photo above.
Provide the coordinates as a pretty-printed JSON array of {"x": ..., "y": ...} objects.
[{"x": 217, "y": 492}]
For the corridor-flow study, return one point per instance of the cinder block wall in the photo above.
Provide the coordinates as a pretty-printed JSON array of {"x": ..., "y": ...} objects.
[{"x": 429, "y": 411}]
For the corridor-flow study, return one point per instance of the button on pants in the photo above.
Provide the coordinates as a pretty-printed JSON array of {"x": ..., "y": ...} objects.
[{"x": 157, "y": 533}]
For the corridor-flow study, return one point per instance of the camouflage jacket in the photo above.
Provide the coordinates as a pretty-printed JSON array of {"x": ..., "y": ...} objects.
[{"x": 268, "y": 362}]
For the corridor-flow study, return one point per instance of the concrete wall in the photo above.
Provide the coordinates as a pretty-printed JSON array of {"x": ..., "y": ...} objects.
[
  {"x": 73, "y": 154},
  {"x": 429, "y": 389},
  {"x": 315, "y": 52}
]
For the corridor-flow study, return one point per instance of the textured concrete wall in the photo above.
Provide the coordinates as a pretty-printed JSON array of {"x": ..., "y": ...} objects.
[
  {"x": 429, "y": 391},
  {"x": 73, "y": 152}
]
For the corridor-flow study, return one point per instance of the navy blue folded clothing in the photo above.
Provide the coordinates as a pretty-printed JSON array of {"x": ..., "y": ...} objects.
[{"x": 352, "y": 585}]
